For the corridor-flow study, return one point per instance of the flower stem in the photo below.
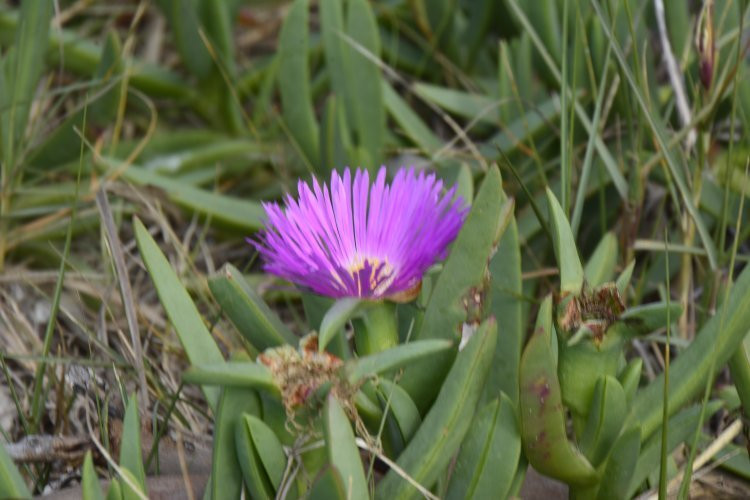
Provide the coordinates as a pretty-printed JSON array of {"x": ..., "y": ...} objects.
[{"x": 377, "y": 329}]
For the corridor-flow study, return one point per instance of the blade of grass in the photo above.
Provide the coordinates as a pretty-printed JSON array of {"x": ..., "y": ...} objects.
[
  {"x": 723, "y": 222},
  {"x": 82, "y": 56},
  {"x": 37, "y": 404},
  {"x": 589, "y": 155},
  {"x": 565, "y": 161},
  {"x": 686, "y": 478},
  {"x": 673, "y": 168},
  {"x": 665, "y": 413},
  {"x": 245, "y": 214},
  {"x": 537, "y": 211},
  {"x": 121, "y": 270},
  {"x": 617, "y": 179}
]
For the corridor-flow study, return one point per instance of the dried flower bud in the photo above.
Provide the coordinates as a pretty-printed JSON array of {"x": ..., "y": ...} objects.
[{"x": 704, "y": 41}]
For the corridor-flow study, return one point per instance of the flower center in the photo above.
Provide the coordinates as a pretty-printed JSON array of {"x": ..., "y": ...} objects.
[{"x": 366, "y": 276}]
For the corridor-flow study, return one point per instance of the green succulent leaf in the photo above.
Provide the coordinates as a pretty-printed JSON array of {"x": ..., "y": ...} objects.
[
  {"x": 464, "y": 273},
  {"x": 605, "y": 419},
  {"x": 543, "y": 424},
  {"x": 232, "y": 374},
  {"x": 620, "y": 465},
  {"x": 489, "y": 455},
  {"x": 402, "y": 407},
  {"x": 649, "y": 317},
  {"x": 630, "y": 378},
  {"x": 571, "y": 272},
  {"x": 328, "y": 486},
  {"x": 505, "y": 292},
  {"x": 623, "y": 280},
  {"x": 447, "y": 422},
  {"x": 340, "y": 312},
  {"x": 12, "y": 484},
  {"x": 342, "y": 450},
  {"x": 268, "y": 447},
  {"x": 192, "y": 332},
  {"x": 396, "y": 357},
  {"x": 247, "y": 310},
  {"x": 601, "y": 265},
  {"x": 294, "y": 81},
  {"x": 226, "y": 471},
  {"x": 253, "y": 473},
  {"x": 718, "y": 337},
  {"x": 90, "y": 488},
  {"x": 131, "y": 458}
]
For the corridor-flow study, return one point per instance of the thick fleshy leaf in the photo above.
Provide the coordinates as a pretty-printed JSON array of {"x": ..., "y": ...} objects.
[
  {"x": 543, "y": 422},
  {"x": 621, "y": 464},
  {"x": 453, "y": 297},
  {"x": 447, "y": 422},
  {"x": 409, "y": 121},
  {"x": 601, "y": 265},
  {"x": 131, "y": 458},
  {"x": 720, "y": 337},
  {"x": 505, "y": 292},
  {"x": 342, "y": 450},
  {"x": 226, "y": 472},
  {"x": 328, "y": 486},
  {"x": 12, "y": 484},
  {"x": 646, "y": 318},
  {"x": 294, "y": 81},
  {"x": 489, "y": 455},
  {"x": 364, "y": 79},
  {"x": 402, "y": 407},
  {"x": 232, "y": 373},
  {"x": 630, "y": 377},
  {"x": 195, "y": 338},
  {"x": 247, "y": 311},
  {"x": 571, "y": 272},
  {"x": 90, "y": 488},
  {"x": 238, "y": 213},
  {"x": 606, "y": 415},
  {"x": 581, "y": 365},
  {"x": 623, "y": 280},
  {"x": 269, "y": 449},
  {"x": 396, "y": 357},
  {"x": 336, "y": 317},
  {"x": 253, "y": 473}
]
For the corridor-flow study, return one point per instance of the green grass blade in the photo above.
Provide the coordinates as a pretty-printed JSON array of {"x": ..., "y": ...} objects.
[
  {"x": 614, "y": 172},
  {"x": 657, "y": 129},
  {"x": 241, "y": 214},
  {"x": 27, "y": 65}
]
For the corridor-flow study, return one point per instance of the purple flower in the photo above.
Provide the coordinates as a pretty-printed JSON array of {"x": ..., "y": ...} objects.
[{"x": 358, "y": 240}]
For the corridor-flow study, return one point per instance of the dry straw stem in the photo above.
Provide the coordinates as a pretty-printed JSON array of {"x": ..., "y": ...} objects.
[
  {"x": 121, "y": 270},
  {"x": 726, "y": 437}
]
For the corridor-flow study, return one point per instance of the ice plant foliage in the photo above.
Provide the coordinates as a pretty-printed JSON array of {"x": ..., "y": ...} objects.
[{"x": 355, "y": 239}]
